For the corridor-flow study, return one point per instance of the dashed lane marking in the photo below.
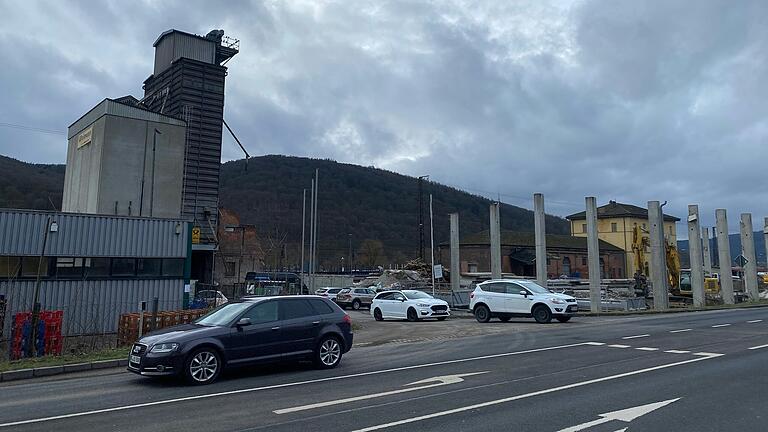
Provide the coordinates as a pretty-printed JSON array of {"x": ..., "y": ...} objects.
[
  {"x": 619, "y": 346},
  {"x": 720, "y": 325},
  {"x": 754, "y": 321},
  {"x": 680, "y": 331},
  {"x": 636, "y": 336},
  {"x": 677, "y": 352},
  {"x": 759, "y": 347},
  {"x": 647, "y": 349}
]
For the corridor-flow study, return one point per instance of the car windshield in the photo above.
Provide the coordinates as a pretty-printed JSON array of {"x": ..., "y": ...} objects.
[
  {"x": 223, "y": 315},
  {"x": 413, "y": 295},
  {"x": 334, "y": 290},
  {"x": 534, "y": 287}
]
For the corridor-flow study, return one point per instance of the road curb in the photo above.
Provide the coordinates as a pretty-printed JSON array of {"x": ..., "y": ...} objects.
[
  {"x": 669, "y": 311},
  {"x": 22, "y": 374}
]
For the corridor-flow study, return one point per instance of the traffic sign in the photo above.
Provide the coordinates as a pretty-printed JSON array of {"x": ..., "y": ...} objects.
[
  {"x": 741, "y": 260},
  {"x": 195, "y": 235},
  {"x": 437, "y": 270}
]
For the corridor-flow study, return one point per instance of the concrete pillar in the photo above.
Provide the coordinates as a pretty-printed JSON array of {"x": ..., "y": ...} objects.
[
  {"x": 748, "y": 250},
  {"x": 658, "y": 257},
  {"x": 765, "y": 237},
  {"x": 694, "y": 246},
  {"x": 593, "y": 255},
  {"x": 705, "y": 248},
  {"x": 541, "y": 239},
  {"x": 724, "y": 256},
  {"x": 495, "y": 242},
  {"x": 455, "y": 263}
]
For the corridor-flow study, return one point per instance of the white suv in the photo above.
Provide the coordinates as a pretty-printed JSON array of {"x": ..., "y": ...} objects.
[{"x": 507, "y": 298}]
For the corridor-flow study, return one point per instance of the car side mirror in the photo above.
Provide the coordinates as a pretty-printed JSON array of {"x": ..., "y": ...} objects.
[
  {"x": 402, "y": 299},
  {"x": 242, "y": 322},
  {"x": 524, "y": 293}
]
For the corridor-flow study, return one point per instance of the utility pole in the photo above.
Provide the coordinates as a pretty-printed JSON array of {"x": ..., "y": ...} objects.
[
  {"x": 432, "y": 244},
  {"x": 310, "y": 278},
  {"x": 540, "y": 239},
  {"x": 303, "y": 225},
  {"x": 421, "y": 216},
  {"x": 36, "y": 298},
  {"x": 349, "y": 236},
  {"x": 705, "y": 248},
  {"x": 314, "y": 251}
]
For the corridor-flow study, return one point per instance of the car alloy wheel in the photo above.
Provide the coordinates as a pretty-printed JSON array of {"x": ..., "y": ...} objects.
[
  {"x": 412, "y": 315},
  {"x": 377, "y": 315},
  {"x": 482, "y": 314},
  {"x": 203, "y": 367},
  {"x": 356, "y": 304},
  {"x": 328, "y": 353},
  {"x": 542, "y": 315}
]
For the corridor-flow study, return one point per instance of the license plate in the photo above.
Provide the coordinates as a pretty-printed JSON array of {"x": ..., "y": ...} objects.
[
  {"x": 573, "y": 308},
  {"x": 135, "y": 359}
]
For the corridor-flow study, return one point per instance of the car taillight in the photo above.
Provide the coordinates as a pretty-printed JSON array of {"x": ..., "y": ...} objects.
[{"x": 347, "y": 319}]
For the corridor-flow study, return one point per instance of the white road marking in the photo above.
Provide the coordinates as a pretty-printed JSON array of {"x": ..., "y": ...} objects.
[
  {"x": 438, "y": 381},
  {"x": 635, "y": 337},
  {"x": 720, "y": 325},
  {"x": 647, "y": 349},
  {"x": 621, "y": 430},
  {"x": 707, "y": 354},
  {"x": 619, "y": 346},
  {"x": 625, "y": 415},
  {"x": 677, "y": 352},
  {"x": 594, "y": 343},
  {"x": 680, "y": 331},
  {"x": 759, "y": 347},
  {"x": 284, "y": 385},
  {"x": 528, "y": 395},
  {"x": 754, "y": 321}
]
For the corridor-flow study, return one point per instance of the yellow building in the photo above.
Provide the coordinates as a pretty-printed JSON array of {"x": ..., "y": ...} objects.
[{"x": 625, "y": 226}]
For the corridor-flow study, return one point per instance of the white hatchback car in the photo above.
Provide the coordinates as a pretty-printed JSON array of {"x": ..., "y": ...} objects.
[
  {"x": 507, "y": 298},
  {"x": 409, "y": 304}
]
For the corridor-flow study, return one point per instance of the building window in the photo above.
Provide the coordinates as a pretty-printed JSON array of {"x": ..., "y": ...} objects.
[
  {"x": 123, "y": 267},
  {"x": 148, "y": 267},
  {"x": 96, "y": 268},
  {"x": 472, "y": 267},
  {"x": 583, "y": 228},
  {"x": 229, "y": 268},
  {"x": 9, "y": 266},
  {"x": 583, "y": 260},
  {"x": 614, "y": 227},
  {"x": 69, "y": 268},
  {"x": 173, "y": 267},
  {"x": 567, "y": 266}
]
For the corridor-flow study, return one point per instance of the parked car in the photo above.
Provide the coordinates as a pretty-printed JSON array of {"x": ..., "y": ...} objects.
[
  {"x": 355, "y": 297},
  {"x": 409, "y": 304},
  {"x": 255, "y": 330},
  {"x": 205, "y": 299},
  {"x": 507, "y": 298},
  {"x": 328, "y": 292}
]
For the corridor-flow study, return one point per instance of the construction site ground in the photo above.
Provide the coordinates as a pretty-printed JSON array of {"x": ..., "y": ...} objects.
[{"x": 369, "y": 332}]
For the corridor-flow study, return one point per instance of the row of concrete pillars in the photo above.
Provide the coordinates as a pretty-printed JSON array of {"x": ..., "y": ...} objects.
[{"x": 700, "y": 256}]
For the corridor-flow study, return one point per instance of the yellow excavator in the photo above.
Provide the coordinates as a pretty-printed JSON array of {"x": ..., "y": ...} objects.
[{"x": 642, "y": 243}]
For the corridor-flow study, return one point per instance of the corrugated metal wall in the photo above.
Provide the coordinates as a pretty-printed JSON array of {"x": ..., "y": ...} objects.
[
  {"x": 176, "y": 45},
  {"x": 80, "y": 235},
  {"x": 90, "y": 307}
]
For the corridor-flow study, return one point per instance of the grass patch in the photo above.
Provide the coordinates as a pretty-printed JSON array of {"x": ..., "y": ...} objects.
[{"x": 36, "y": 362}]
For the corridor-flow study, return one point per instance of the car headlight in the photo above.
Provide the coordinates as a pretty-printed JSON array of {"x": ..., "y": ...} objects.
[
  {"x": 164, "y": 348},
  {"x": 422, "y": 305},
  {"x": 556, "y": 300}
]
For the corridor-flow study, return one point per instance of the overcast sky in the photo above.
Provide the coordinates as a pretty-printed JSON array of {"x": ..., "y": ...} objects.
[{"x": 625, "y": 100}]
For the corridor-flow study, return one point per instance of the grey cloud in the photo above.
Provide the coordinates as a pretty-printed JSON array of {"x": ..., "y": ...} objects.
[{"x": 622, "y": 100}]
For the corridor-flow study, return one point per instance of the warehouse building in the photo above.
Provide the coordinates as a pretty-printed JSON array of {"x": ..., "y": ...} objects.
[{"x": 92, "y": 267}]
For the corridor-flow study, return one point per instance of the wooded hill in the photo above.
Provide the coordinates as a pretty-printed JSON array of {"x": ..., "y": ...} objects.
[{"x": 356, "y": 204}]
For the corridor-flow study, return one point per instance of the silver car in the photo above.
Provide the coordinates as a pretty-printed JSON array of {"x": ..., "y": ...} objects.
[{"x": 355, "y": 297}]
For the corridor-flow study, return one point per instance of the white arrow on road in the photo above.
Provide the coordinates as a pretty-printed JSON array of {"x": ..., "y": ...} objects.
[
  {"x": 437, "y": 381},
  {"x": 625, "y": 415}
]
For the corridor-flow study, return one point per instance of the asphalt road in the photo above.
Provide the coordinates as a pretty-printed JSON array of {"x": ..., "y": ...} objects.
[{"x": 705, "y": 371}]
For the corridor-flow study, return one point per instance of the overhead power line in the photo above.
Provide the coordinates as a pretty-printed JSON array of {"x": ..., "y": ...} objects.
[{"x": 31, "y": 128}]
